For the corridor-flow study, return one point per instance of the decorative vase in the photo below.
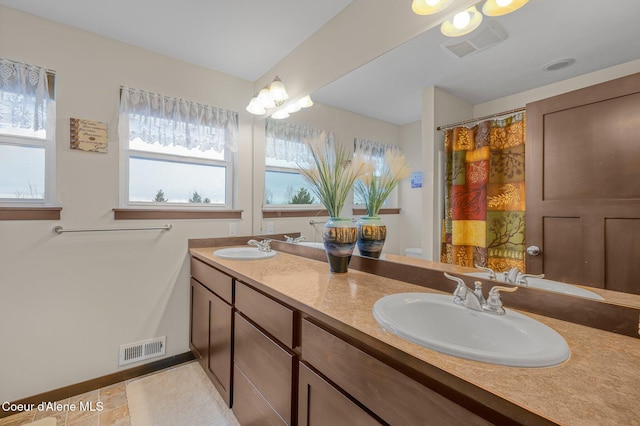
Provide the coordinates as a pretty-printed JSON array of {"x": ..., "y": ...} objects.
[
  {"x": 372, "y": 233},
  {"x": 340, "y": 235}
]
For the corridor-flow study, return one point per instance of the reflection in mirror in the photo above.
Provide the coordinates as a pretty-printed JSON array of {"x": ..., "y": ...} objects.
[
  {"x": 565, "y": 289},
  {"x": 426, "y": 62}
]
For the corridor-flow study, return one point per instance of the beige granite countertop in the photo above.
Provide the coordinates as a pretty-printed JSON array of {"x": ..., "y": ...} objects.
[{"x": 598, "y": 385}]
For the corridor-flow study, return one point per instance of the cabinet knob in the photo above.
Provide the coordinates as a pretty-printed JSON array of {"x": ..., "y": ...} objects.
[{"x": 533, "y": 251}]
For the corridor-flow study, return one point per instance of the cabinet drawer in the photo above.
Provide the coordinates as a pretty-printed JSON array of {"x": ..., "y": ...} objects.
[
  {"x": 273, "y": 317},
  {"x": 219, "y": 283},
  {"x": 391, "y": 395},
  {"x": 267, "y": 365},
  {"x": 249, "y": 406}
]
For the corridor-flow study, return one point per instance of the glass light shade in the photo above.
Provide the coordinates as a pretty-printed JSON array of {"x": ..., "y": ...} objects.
[
  {"x": 305, "y": 102},
  {"x": 254, "y": 107},
  {"x": 429, "y": 7},
  {"x": 502, "y": 7},
  {"x": 452, "y": 26},
  {"x": 265, "y": 99},
  {"x": 280, "y": 114},
  {"x": 278, "y": 91}
]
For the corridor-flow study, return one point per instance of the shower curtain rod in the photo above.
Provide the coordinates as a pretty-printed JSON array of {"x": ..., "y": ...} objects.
[{"x": 473, "y": 120}]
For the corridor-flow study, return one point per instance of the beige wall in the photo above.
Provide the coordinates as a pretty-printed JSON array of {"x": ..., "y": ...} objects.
[{"x": 68, "y": 302}]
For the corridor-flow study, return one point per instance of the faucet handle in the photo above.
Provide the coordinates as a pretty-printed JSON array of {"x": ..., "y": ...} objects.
[
  {"x": 289, "y": 239},
  {"x": 494, "y": 303},
  {"x": 522, "y": 279},
  {"x": 492, "y": 273},
  {"x": 460, "y": 293}
]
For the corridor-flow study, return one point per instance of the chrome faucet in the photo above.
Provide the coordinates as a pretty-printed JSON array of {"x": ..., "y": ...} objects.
[
  {"x": 474, "y": 299},
  {"x": 264, "y": 245},
  {"x": 294, "y": 240},
  {"x": 514, "y": 276},
  {"x": 511, "y": 276}
]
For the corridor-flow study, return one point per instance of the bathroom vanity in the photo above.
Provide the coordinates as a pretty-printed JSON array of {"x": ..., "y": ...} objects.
[{"x": 287, "y": 342}]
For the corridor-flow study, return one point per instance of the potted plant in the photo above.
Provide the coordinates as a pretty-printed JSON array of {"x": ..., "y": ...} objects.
[
  {"x": 330, "y": 173},
  {"x": 372, "y": 189}
]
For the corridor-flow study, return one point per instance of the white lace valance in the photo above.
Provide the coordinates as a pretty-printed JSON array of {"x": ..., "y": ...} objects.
[
  {"x": 288, "y": 142},
  {"x": 156, "y": 118},
  {"x": 373, "y": 151},
  {"x": 24, "y": 93}
]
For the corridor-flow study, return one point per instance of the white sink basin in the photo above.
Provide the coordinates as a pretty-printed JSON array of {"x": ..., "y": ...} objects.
[
  {"x": 312, "y": 244},
  {"x": 545, "y": 284},
  {"x": 244, "y": 253},
  {"x": 435, "y": 322}
]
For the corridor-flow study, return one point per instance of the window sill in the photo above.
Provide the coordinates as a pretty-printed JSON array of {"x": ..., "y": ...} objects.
[
  {"x": 30, "y": 213},
  {"x": 129, "y": 214},
  {"x": 363, "y": 212},
  {"x": 276, "y": 213}
]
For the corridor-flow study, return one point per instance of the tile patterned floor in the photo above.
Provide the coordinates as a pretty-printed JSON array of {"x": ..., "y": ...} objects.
[{"x": 113, "y": 399}]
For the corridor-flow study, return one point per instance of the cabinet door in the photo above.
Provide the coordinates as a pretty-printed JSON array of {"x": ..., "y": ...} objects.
[
  {"x": 210, "y": 337},
  {"x": 199, "y": 326},
  {"x": 322, "y": 404},
  {"x": 220, "y": 361}
]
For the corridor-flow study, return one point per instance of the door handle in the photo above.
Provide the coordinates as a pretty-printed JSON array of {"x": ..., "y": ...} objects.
[{"x": 533, "y": 251}]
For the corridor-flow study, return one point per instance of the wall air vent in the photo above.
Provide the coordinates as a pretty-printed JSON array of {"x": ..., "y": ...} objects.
[
  {"x": 487, "y": 35},
  {"x": 144, "y": 349}
]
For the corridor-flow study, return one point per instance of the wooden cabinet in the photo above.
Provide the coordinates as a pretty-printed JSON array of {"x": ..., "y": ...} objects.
[
  {"x": 264, "y": 366},
  {"x": 275, "y": 368},
  {"x": 320, "y": 403},
  {"x": 211, "y": 328}
]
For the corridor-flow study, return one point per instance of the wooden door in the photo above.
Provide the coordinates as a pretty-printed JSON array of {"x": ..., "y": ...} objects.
[{"x": 583, "y": 186}]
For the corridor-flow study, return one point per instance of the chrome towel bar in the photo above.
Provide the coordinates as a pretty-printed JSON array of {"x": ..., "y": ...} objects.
[{"x": 59, "y": 229}]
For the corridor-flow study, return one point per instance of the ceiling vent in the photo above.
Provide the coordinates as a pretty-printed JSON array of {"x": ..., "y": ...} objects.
[{"x": 484, "y": 37}]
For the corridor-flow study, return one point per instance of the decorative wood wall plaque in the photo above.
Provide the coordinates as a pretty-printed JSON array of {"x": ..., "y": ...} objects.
[{"x": 88, "y": 135}]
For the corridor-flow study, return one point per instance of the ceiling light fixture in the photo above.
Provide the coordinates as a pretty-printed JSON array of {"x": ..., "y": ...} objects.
[
  {"x": 462, "y": 23},
  {"x": 275, "y": 95},
  {"x": 502, "y": 7},
  {"x": 280, "y": 114},
  {"x": 292, "y": 107},
  {"x": 429, "y": 7},
  {"x": 270, "y": 96}
]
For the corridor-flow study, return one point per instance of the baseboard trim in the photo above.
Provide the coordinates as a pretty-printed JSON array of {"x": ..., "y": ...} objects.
[{"x": 100, "y": 382}]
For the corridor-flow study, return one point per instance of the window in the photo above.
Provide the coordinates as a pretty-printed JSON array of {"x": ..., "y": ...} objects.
[
  {"x": 285, "y": 150},
  {"x": 175, "y": 153},
  {"x": 375, "y": 152},
  {"x": 27, "y": 135}
]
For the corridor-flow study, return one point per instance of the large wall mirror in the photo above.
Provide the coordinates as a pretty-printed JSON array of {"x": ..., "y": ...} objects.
[{"x": 546, "y": 44}]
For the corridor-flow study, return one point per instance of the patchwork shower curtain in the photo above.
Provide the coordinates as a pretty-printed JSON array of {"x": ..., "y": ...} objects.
[{"x": 485, "y": 195}]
